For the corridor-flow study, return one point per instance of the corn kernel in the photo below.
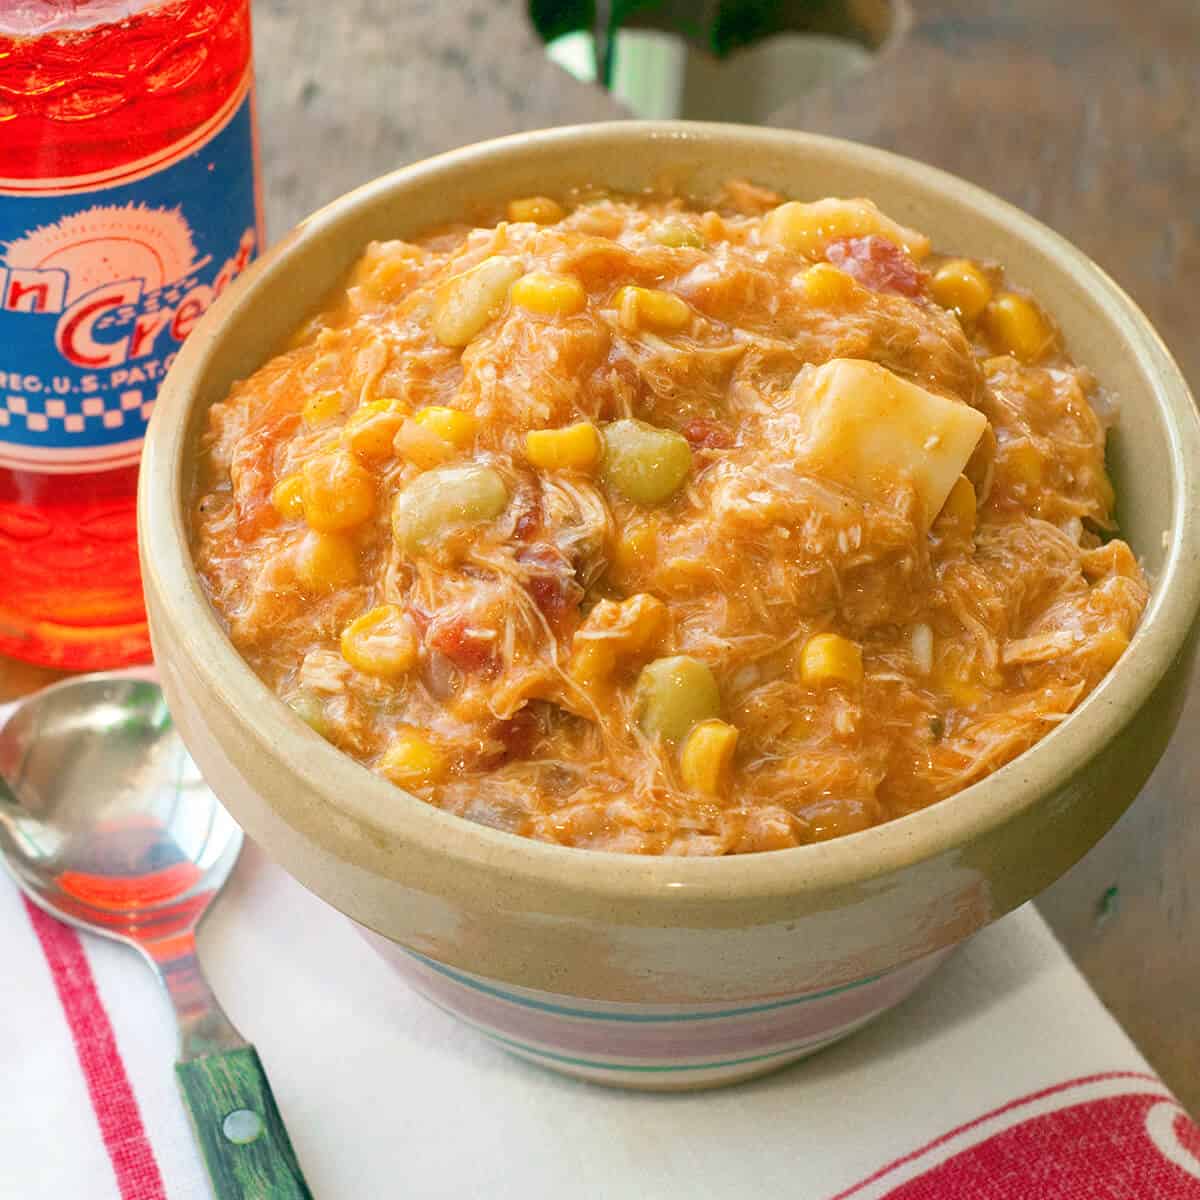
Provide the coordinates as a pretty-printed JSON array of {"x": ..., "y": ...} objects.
[
  {"x": 373, "y": 408},
  {"x": 612, "y": 631},
  {"x": 962, "y": 286},
  {"x": 338, "y": 492},
  {"x": 831, "y": 658},
  {"x": 826, "y": 285},
  {"x": 411, "y": 759},
  {"x": 958, "y": 513},
  {"x": 326, "y": 561},
  {"x": 450, "y": 424},
  {"x": 575, "y": 447},
  {"x": 636, "y": 547},
  {"x": 707, "y": 756},
  {"x": 650, "y": 308},
  {"x": 549, "y": 295},
  {"x": 322, "y": 407},
  {"x": 371, "y": 430},
  {"x": 381, "y": 642},
  {"x": 539, "y": 209},
  {"x": 288, "y": 496},
  {"x": 422, "y": 447},
  {"x": 1023, "y": 462},
  {"x": 1016, "y": 325}
]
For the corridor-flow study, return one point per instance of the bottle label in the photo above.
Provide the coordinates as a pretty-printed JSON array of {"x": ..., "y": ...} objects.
[{"x": 101, "y": 279}]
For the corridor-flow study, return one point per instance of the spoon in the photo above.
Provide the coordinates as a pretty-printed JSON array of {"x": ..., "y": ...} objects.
[{"x": 106, "y": 823}]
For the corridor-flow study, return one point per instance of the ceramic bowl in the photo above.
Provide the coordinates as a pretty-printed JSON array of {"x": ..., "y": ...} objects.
[{"x": 667, "y": 972}]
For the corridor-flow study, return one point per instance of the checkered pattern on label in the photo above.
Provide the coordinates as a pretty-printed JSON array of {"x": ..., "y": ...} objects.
[{"x": 58, "y": 419}]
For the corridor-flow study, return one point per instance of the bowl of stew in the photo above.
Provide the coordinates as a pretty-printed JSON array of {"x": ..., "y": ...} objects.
[{"x": 669, "y": 584}]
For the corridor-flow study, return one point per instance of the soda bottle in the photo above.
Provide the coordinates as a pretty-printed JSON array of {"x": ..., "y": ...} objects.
[{"x": 128, "y": 202}]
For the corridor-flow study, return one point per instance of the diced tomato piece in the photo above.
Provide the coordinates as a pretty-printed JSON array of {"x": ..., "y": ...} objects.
[
  {"x": 468, "y": 648},
  {"x": 703, "y": 433},
  {"x": 550, "y": 595},
  {"x": 519, "y": 734},
  {"x": 527, "y": 504},
  {"x": 877, "y": 263},
  {"x": 551, "y": 582},
  {"x": 544, "y": 556}
]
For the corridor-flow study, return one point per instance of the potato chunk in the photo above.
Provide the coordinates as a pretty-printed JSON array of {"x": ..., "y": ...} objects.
[
  {"x": 809, "y": 228},
  {"x": 867, "y": 428}
]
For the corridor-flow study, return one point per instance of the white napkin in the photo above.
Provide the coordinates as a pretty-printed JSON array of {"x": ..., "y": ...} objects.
[{"x": 385, "y": 1096}]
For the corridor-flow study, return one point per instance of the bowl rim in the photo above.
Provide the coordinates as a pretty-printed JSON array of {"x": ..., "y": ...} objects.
[{"x": 381, "y": 808}]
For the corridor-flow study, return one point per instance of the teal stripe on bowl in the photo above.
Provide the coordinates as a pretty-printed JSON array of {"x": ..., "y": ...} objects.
[
  {"x": 641, "y": 1018},
  {"x": 647, "y": 1068}
]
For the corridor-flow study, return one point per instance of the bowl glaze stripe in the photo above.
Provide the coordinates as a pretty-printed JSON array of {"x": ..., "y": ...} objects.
[
  {"x": 538, "y": 1053},
  {"x": 623, "y": 1042},
  {"x": 618, "y": 1012}
]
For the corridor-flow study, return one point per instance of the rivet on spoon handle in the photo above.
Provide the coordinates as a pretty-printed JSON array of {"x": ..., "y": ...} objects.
[{"x": 238, "y": 1127}]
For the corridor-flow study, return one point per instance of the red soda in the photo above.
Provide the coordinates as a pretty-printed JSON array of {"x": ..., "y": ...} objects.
[{"x": 128, "y": 201}]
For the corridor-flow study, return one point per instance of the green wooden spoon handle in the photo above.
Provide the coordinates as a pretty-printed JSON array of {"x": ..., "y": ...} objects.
[{"x": 237, "y": 1123}]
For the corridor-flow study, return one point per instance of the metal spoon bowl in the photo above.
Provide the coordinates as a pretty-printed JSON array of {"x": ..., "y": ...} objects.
[{"x": 106, "y": 823}]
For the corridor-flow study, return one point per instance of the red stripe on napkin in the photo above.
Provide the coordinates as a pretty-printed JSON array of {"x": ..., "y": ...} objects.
[
  {"x": 116, "y": 1109},
  {"x": 1108, "y": 1136}
]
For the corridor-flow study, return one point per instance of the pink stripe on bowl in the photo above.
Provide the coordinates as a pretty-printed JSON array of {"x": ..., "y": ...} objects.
[{"x": 661, "y": 1047}]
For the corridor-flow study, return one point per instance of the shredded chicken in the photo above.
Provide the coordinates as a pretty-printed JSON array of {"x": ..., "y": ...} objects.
[{"x": 976, "y": 639}]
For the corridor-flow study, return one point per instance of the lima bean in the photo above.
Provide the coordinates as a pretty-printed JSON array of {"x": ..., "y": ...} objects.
[
  {"x": 443, "y": 498},
  {"x": 644, "y": 463},
  {"x": 466, "y": 303},
  {"x": 673, "y": 694}
]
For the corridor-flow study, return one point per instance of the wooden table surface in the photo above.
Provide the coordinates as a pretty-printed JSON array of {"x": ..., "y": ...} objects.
[{"x": 1081, "y": 113}]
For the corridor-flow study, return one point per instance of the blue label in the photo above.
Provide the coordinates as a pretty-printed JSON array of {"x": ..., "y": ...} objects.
[{"x": 101, "y": 279}]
